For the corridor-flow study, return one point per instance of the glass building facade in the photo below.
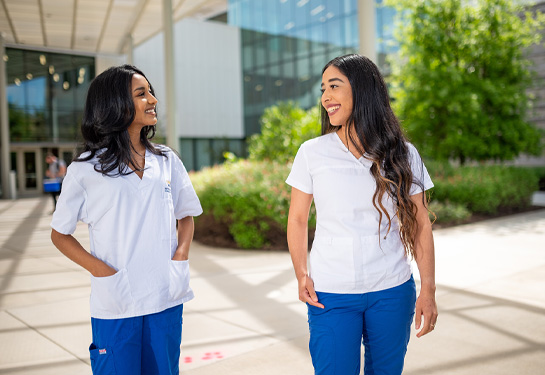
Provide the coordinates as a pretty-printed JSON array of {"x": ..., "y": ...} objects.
[
  {"x": 286, "y": 43},
  {"x": 46, "y": 94}
]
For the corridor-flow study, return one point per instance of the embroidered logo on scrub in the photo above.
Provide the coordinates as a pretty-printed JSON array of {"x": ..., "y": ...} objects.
[
  {"x": 101, "y": 351},
  {"x": 167, "y": 188}
]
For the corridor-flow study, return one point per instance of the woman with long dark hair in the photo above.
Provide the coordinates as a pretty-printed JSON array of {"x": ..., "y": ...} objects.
[
  {"x": 138, "y": 203},
  {"x": 368, "y": 185}
]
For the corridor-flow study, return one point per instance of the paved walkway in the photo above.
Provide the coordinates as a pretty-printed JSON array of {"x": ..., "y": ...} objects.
[{"x": 246, "y": 318}]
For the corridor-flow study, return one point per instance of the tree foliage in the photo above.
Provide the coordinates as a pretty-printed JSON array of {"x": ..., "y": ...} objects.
[
  {"x": 284, "y": 127},
  {"x": 461, "y": 77}
]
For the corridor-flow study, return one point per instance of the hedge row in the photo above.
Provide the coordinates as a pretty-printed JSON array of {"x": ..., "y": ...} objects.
[{"x": 246, "y": 203}]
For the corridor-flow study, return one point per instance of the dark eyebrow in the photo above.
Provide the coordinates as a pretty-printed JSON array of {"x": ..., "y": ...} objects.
[
  {"x": 139, "y": 88},
  {"x": 332, "y": 80}
]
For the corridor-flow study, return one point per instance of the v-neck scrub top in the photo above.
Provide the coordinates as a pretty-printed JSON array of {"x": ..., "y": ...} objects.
[
  {"x": 132, "y": 228},
  {"x": 348, "y": 255}
]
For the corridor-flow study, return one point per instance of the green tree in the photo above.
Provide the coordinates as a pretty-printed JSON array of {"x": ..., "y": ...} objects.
[
  {"x": 461, "y": 77},
  {"x": 284, "y": 127}
]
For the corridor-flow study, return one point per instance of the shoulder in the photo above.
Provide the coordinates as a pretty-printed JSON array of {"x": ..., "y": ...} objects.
[
  {"x": 168, "y": 154},
  {"x": 317, "y": 143},
  {"x": 163, "y": 148},
  {"x": 411, "y": 147},
  {"x": 413, "y": 152}
]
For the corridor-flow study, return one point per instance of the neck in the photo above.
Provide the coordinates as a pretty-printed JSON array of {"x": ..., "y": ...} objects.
[
  {"x": 137, "y": 145},
  {"x": 349, "y": 140}
]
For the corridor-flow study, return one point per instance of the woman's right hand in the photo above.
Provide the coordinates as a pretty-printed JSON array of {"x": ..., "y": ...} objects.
[
  {"x": 307, "y": 293},
  {"x": 103, "y": 270}
]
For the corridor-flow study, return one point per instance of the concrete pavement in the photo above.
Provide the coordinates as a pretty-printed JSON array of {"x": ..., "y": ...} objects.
[{"x": 246, "y": 318}]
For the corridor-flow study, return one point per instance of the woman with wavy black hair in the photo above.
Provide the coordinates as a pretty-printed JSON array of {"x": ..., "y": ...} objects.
[
  {"x": 138, "y": 203},
  {"x": 368, "y": 185}
]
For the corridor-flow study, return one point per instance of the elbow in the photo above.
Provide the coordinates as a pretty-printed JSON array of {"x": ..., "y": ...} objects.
[
  {"x": 57, "y": 237},
  {"x": 54, "y": 236}
]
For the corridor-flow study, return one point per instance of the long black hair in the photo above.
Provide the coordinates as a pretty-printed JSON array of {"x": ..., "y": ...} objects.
[
  {"x": 381, "y": 140},
  {"x": 109, "y": 110}
]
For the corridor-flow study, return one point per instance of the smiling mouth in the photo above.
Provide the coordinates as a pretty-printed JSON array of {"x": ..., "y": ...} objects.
[
  {"x": 150, "y": 111},
  {"x": 333, "y": 109}
]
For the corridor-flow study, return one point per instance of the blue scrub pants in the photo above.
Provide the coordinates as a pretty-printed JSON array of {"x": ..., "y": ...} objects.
[
  {"x": 143, "y": 345},
  {"x": 381, "y": 319}
]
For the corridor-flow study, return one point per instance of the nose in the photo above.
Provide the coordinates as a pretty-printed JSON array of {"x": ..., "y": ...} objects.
[
  {"x": 152, "y": 99},
  {"x": 325, "y": 97}
]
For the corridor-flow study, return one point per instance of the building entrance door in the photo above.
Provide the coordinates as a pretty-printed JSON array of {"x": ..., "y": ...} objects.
[{"x": 29, "y": 167}]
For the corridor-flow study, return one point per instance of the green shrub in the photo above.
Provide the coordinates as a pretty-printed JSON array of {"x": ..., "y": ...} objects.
[
  {"x": 249, "y": 197},
  {"x": 284, "y": 127},
  {"x": 448, "y": 213},
  {"x": 484, "y": 189}
]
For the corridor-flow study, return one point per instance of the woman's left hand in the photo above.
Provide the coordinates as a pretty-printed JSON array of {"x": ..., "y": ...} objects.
[
  {"x": 180, "y": 255},
  {"x": 426, "y": 307}
]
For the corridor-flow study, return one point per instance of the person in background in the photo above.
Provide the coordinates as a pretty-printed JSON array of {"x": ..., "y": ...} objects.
[
  {"x": 138, "y": 203},
  {"x": 56, "y": 169},
  {"x": 368, "y": 184}
]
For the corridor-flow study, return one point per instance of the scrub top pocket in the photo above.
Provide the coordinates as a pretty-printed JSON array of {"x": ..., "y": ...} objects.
[
  {"x": 381, "y": 258},
  {"x": 179, "y": 279},
  {"x": 332, "y": 263},
  {"x": 111, "y": 295}
]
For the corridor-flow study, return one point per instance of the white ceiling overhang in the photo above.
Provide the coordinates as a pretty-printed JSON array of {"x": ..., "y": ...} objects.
[{"x": 93, "y": 26}]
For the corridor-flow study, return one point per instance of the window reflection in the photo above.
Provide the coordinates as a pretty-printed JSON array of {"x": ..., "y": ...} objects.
[
  {"x": 46, "y": 94},
  {"x": 285, "y": 44}
]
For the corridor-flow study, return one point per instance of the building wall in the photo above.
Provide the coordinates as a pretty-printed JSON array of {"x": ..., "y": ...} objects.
[
  {"x": 208, "y": 86},
  {"x": 103, "y": 62},
  {"x": 210, "y": 80}
]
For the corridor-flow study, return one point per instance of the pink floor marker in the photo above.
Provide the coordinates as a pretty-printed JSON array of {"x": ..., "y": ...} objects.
[
  {"x": 188, "y": 359},
  {"x": 215, "y": 355}
]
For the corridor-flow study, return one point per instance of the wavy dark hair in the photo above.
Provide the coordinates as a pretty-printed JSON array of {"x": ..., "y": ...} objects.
[
  {"x": 109, "y": 110},
  {"x": 380, "y": 140}
]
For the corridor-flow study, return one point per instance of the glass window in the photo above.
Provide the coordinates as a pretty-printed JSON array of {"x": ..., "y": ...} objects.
[
  {"x": 15, "y": 78},
  {"x": 260, "y": 53},
  {"x": 334, "y": 32},
  {"x": 30, "y": 170},
  {"x": 303, "y": 48},
  {"x": 333, "y": 8},
  {"x": 187, "y": 153},
  {"x": 203, "y": 153},
  {"x": 248, "y": 56},
  {"x": 46, "y": 94},
  {"x": 289, "y": 48},
  {"x": 316, "y": 36},
  {"x": 275, "y": 49}
]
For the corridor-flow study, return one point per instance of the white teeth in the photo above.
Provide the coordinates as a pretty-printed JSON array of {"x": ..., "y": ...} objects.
[{"x": 332, "y": 109}]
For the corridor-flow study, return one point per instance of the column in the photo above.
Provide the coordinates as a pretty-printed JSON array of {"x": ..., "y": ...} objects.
[
  {"x": 168, "y": 30},
  {"x": 130, "y": 50},
  {"x": 4, "y": 125},
  {"x": 367, "y": 29}
]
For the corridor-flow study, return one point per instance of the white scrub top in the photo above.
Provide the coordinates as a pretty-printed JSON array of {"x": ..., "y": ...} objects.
[
  {"x": 132, "y": 228},
  {"x": 348, "y": 255}
]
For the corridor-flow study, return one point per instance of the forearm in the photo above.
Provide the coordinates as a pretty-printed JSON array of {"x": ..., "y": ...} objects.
[
  {"x": 298, "y": 246},
  {"x": 73, "y": 250},
  {"x": 186, "y": 228},
  {"x": 425, "y": 257}
]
